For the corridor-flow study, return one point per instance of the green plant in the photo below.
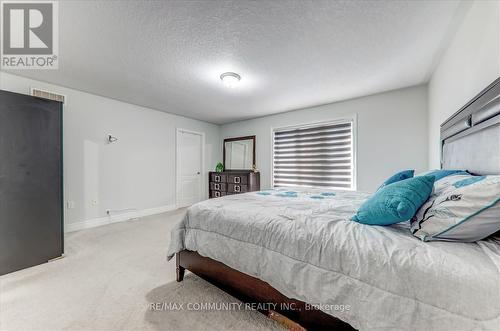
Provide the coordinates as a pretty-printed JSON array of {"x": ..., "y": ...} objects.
[{"x": 219, "y": 167}]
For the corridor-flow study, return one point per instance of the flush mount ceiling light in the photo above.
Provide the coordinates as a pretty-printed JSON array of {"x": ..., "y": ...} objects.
[{"x": 230, "y": 79}]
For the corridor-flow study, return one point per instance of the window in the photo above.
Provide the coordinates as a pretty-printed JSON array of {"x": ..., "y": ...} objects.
[{"x": 320, "y": 155}]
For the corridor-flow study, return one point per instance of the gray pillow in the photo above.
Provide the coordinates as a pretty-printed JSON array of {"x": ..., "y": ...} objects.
[{"x": 461, "y": 208}]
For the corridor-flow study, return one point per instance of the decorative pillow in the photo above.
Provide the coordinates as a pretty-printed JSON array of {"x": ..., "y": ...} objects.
[
  {"x": 445, "y": 182},
  {"x": 396, "y": 202},
  {"x": 464, "y": 208},
  {"x": 439, "y": 173},
  {"x": 405, "y": 174}
]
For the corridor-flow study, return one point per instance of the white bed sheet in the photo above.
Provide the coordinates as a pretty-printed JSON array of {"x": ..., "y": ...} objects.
[{"x": 305, "y": 245}]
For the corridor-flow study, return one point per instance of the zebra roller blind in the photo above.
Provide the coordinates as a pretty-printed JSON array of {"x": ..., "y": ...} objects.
[{"x": 314, "y": 156}]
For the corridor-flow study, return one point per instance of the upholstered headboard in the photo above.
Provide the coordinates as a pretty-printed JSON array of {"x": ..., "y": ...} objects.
[{"x": 470, "y": 138}]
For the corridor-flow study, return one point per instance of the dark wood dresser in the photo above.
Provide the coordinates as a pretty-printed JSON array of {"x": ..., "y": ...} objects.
[{"x": 232, "y": 182}]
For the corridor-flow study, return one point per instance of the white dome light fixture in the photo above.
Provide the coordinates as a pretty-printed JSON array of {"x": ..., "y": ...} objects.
[{"x": 230, "y": 79}]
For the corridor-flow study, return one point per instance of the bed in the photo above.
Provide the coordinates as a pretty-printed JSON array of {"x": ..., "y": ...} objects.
[{"x": 298, "y": 248}]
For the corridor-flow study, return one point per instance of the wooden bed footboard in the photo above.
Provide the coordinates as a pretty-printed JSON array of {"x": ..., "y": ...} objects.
[{"x": 253, "y": 290}]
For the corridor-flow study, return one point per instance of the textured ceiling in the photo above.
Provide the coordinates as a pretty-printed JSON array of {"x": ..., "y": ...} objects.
[{"x": 168, "y": 55}]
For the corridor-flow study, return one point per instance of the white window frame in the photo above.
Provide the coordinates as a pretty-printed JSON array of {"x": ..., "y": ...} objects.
[{"x": 352, "y": 118}]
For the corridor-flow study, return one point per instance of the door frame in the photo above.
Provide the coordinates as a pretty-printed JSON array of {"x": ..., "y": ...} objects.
[{"x": 177, "y": 166}]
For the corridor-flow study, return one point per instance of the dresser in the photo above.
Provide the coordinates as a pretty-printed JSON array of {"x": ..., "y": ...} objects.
[{"x": 232, "y": 182}]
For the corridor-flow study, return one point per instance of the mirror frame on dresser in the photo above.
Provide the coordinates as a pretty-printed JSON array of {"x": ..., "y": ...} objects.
[{"x": 237, "y": 139}]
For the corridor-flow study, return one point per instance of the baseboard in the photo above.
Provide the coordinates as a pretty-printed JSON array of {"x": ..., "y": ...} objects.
[{"x": 94, "y": 222}]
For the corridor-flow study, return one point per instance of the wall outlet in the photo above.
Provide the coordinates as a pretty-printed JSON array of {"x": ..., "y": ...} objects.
[{"x": 70, "y": 204}]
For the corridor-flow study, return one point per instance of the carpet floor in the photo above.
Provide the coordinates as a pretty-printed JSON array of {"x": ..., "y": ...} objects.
[{"x": 116, "y": 277}]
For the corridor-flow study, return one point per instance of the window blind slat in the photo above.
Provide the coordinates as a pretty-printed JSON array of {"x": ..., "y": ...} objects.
[
  {"x": 312, "y": 184},
  {"x": 334, "y": 155},
  {"x": 307, "y": 144},
  {"x": 314, "y": 135},
  {"x": 317, "y": 156},
  {"x": 313, "y": 129},
  {"x": 309, "y": 151},
  {"x": 313, "y": 162},
  {"x": 313, "y": 178},
  {"x": 317, "y": 138},
  {"x": 314, "y": 173},
  {"x": 293, "y": 146},
  {"x": 300, "y": 167}
]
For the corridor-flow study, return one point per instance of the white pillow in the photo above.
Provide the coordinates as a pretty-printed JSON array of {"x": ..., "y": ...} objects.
[{"x": 462, "y": 208}]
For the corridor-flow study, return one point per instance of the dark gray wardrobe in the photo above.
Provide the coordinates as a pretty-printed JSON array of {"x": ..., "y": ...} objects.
[{"x": 31, "y": 191}]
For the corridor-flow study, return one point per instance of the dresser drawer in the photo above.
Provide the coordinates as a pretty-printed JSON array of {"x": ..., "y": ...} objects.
[
  {"x": 238, "y": 179},
  {"x": 218, "y": 186},
  {"x": 237, "y": 188},
  {"x": 217, "y": 194},
  {"x": 232, "y": 182},
  {"x": 218, "y": 178}
]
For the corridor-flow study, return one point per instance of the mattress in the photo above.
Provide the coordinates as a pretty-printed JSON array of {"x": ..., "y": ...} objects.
[{"x": 302, "y": 242}]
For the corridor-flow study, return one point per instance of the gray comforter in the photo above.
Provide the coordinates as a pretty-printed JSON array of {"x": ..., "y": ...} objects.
[{"x": 303, "y": 243}]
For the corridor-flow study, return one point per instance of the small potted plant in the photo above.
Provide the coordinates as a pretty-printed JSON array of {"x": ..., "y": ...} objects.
[{"x": 219, "y": 167}]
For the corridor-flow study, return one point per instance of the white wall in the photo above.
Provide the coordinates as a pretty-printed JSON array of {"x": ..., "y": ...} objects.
[
  {"x": 138, "y": 171},
  {"x": 391, "y": 133},
  {"x": 470, "y": 63}
]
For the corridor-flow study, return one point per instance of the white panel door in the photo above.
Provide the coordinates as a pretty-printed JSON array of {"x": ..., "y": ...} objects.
[{"x": 189, "y": 167}]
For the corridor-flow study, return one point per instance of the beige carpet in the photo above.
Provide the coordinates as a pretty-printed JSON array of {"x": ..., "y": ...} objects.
[{"x": 108, "y": 280}]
